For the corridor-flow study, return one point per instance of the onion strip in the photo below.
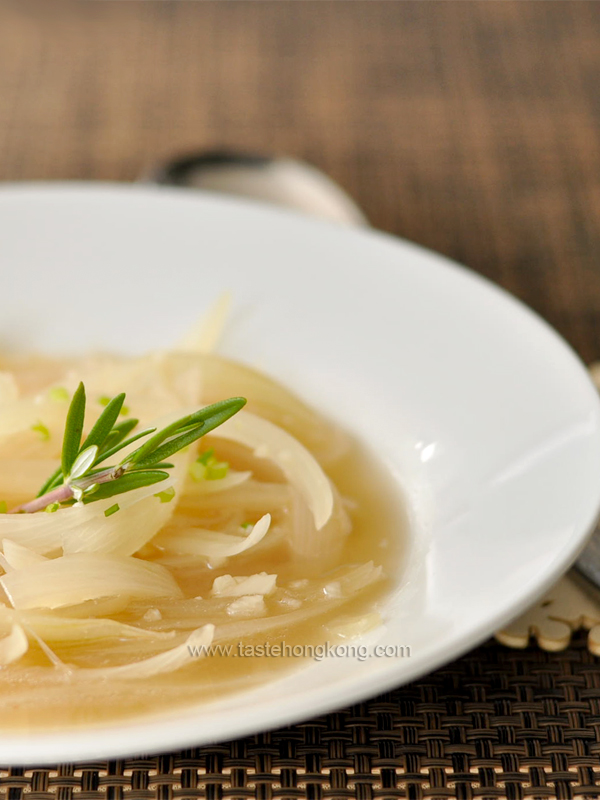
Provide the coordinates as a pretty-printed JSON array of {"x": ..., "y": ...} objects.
[
  {"x": 74, "y": 578},
  {"x": 194, "y": 647},
  {"x": 13, "y": 646},
  {"x": 300, "y": 468},
  {"x": 213, "y": 544}
]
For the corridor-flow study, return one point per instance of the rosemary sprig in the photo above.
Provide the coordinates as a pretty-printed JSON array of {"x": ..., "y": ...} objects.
[{"x": 80, "y": 478}]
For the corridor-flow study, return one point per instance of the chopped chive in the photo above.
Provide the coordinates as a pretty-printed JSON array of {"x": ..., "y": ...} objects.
[
  {"x": 214, "y": 470},
  {"x": 246, "y": 525},
  {"x": 166, "y": 496},
  {"x": 52, "y": 508},
  {"x": 125, "y": 411},
  {"x": 112, "y": 510},
  {"x": 59, "y": 394},
  {"x": 198, "y": 471},
  {"x": 43, "y": 431},
  {"x": 207, "y": 456},
  {"x": 3, "y": 507},
  {"x": 217, "y": 470}
]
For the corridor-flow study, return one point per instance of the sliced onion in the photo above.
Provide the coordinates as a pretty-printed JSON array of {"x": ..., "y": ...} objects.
[
  {"x": 300, "y": 468},
  {"x": 205, "y": 335},
  {"x": 18, "y": 556},
  {"x": 230, "y": 480},
  {"x": 321, "y": 547},
  {"x": 239, "y": 585},
  {"x": 180, "y": 656},
  {"x": 87, "y": 529},
  {"x": 74, "y": 578},
  {"x": 13, "y": 646},
  {"x": 141, "y": 515},
  {"x": 55, "y": 628},
  {"x": 213, "y": 544},
  {"x": 40, "y": 532}
]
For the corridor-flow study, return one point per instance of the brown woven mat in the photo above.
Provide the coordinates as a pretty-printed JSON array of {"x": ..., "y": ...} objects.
[
  {"x": 498, "y": 723},
  {"x": 469, "y": 127}
]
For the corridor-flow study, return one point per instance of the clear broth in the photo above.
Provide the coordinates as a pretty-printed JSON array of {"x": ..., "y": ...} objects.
[{"x": 36, "y": 696}]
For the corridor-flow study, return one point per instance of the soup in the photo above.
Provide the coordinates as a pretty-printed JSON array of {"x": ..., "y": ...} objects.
[{"x": 273, "y": 534}]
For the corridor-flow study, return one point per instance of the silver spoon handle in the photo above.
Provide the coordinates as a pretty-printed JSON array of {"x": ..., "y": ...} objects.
[{"x": 282, "y": 181}]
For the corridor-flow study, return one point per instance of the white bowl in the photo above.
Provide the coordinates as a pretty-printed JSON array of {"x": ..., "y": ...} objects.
[{"x": 483, "y": 415}]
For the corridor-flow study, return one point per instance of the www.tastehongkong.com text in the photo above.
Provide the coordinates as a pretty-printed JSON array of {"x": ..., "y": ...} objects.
[{"x": 315, "y": 652}]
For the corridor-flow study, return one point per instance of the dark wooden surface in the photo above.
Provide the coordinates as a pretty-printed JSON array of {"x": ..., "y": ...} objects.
[{"x": 470, "y": 127}]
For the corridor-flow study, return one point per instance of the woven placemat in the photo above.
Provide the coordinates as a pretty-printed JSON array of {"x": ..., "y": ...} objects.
[{"x": 497, "y": 723}]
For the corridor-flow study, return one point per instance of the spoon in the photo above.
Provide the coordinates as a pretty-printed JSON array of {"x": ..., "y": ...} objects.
[{"x": 280, "y": 181}]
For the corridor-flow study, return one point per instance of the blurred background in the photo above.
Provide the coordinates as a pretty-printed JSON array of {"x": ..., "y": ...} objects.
[{"x": 471, "y": 127}]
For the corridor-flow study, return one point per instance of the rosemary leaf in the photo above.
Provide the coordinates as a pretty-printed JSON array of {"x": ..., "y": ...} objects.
[
  {"x": 105, "y": 422},
  {"x": 120, "y": 445},
  {"x": 193, "y": 425},
  {"x": 73, "y": 430},
  {"x": 128, "y": 482},
  {"x": 119, "y": 433},
  {"x": 79, "y": 462}
]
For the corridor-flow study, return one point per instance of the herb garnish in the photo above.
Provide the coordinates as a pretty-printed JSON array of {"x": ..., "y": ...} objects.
[{"x": 79, "y": 477}]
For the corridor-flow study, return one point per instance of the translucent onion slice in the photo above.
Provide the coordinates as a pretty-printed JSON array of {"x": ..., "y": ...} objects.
[
  {"x": 213, "y": 544},
  {"x": 299, "y": 467},
  {"x": 18, "y": 556},
  {"x": 40, "y": 532},
  {"x": 230, "y": 480},
  {"x": 87, "y": 529},
  {"x": 239, "y": 585},
  {"x": 180, "y": 656},
  {"x": 205, "y": 335},
  {"x": 141, "y": 515},
  {"x": 99, "y": 607},
  {"x": 321, "y": 547},
  {"x": 13, "y": 646},
  {"x": 74, "y": 578},
  {"x": 55, "y": 628}
]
